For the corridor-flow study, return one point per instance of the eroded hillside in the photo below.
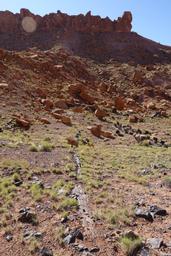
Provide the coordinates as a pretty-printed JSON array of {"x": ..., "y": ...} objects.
[{"x": 85, "y": 149}]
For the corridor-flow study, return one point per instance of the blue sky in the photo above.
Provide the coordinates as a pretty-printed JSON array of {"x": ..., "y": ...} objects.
[{"x": 151, "y": 18}]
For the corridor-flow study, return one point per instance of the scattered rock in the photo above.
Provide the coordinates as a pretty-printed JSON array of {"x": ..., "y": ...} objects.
[
  {"x": 47, "y": 103},
  {"x": 46, "y": 252},
  {"x": 56, "y": 116},
  {"x": 44, "y": 120},
  {"x": 138, "y": 76},
  {"x": 66, "y": 120},
  {"x": 77, "y": 234},
  {"x": 94, "y": 249},
  {"x": 120, "y": 103},
  {"x": 86, "y": 97},
  {"x": 160, "y": 113},
  {"x": 144, "y": 252},
  {"x": 150, "y": 213},
  {"x": 119, "y": 133},
  {"x": 155, "y": 243},
  {"x": 64, "y": 220},
  {"x": 151, "y": 106},
  {"x": 157, "y": 210},
  {"x": 133, "y": 119},
  {"x": 8, "y": 237},
  {"x": 61, "y": 104},
  {"x": 78, "y": 109},
  {"x": 100, "y": 113},
  {"x": 144, "y": 214},
  {"x": 17, "y": 182},
  {"x": 144, "y": 172},
  {"x": 81, "y": 248},
  {"x": 86, "y": 141},
  {"x": 23, "y": 123},
  {"x": 107, "y": 134},
  {"x": 96, "y": 130},
  {"x": 27, "y": 217},
  {"x": 72, "y": 141},
  {"x": 141, "y": 137},
  {"x": 37, "y": 234}
]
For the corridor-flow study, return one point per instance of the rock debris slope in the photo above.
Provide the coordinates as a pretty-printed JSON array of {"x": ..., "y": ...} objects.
[{"x": 85, "y": 137}]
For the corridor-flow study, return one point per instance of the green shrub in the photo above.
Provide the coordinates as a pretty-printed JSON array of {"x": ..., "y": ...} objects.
[
  {"x": 46, "y": 146},
  {"x": 36, "y": 191},
  {"x": 33, "y": 148},
  {"x": 167, "y": 181},
  {"x": 68, "y": 203},
  {"x": 131, "y": 245}
]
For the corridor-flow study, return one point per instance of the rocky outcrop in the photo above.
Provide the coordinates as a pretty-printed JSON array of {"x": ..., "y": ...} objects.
[
  {"x": 10, "y": 23},
  {"x": 87, "y": 36}
]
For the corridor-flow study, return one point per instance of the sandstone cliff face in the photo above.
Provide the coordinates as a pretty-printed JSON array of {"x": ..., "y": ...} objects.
[
  {"x": 10, "y": 23},
  {"x": 87, "y": 36}
]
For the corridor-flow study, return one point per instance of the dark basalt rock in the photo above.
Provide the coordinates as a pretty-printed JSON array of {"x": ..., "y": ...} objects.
[
  {"x": 150, "y": 213},
  {"x": 76, "y": 234},
  {"x": 8, "y": 237},
  {"x": 157, "y": 210},
  {"x": 94, "y": 249},
  {"x": 144, "y": 214},
  {"x": 27, "y": 217},
  {"x": 46, "y": 252},
  {"x": 144, "y": 251},
  {"x": 18, "y": 182}
]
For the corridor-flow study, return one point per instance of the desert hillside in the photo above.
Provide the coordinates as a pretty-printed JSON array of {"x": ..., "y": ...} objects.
[{"x": 85, "y": 137}]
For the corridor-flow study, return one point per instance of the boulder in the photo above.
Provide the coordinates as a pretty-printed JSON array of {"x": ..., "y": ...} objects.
[
  {"x": 56, "y": 116},
  {"x": 66, "y": 120},
  {"x": 100, "y": 113},
  {"x": 22, "y": 123},
  {"x": 75, "y": 90},
  {"x": 46, "y": 252},
  {"x": 120, "y": 103},
  {"x": 47, "y": 103},
  {"x": 157, "y": 210},
  {"x": 86, "y": 97},
  {"x": 144, "y": 214},
  {"x": 133, "y": 119},
  {"x": 96, "y": 130},
  {"x": 78, "y": 109},
  {"x": 71, "y": 238},
  {"x": 107, "y": 134},
  {"x": 61, "y": 104},
  {"x": 44, "y": 120},
  {"x": 72, "y": 141},
  {"x": 155, "y": 243},
  {"x": 26, "y": 216},
  {"x": 151, "y": 106},
  {"x": 138, "y": 76}
]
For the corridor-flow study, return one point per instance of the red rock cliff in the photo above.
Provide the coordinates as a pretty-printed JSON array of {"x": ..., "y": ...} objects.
[{"x": 10, "y": 23}]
